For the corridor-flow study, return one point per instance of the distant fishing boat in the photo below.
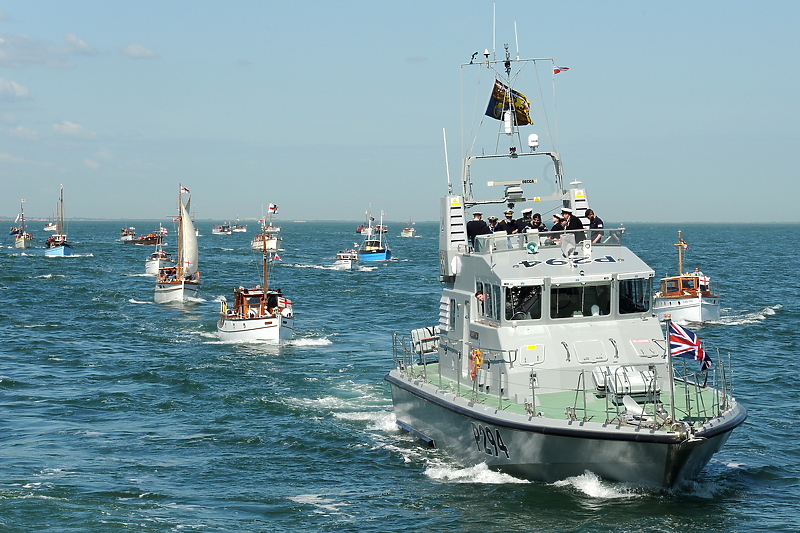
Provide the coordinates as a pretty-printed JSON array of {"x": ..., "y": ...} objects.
[
  {"x": 157, "y": 260},
  {"x": 368, "y": 229},
  {"x": 222, "y": 229},
  {"x": 269, "y": 238},
  {"x": 239, "y": 228},
  {"x": 57, "y": 245},
  {"x": 181, "y": 281},
  {"x": 128, "y": 236},
  {"x": 374, "y": 247},
  {"x": 22, "y": 238},
  {"x": 50, "y": 226},
  {"x": 346, "y": 260},
  {"x": 687, "y": 297},
  {"x": 409, "y": 230},
  {"x": 257, "y": 313}
]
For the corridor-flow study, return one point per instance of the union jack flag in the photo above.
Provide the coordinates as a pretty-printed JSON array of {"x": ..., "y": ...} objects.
[{"x": 684, "y": 343}]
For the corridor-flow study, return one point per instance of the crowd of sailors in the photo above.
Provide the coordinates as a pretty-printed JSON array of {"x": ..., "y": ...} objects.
[{"x": 530, "y": 221}]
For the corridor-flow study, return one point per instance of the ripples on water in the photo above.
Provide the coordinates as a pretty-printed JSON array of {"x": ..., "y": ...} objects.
[{"x": 120, "y": 414}]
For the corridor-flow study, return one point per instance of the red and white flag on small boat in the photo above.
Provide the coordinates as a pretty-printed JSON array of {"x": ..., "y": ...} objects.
[{"x": 557, "y": 69}]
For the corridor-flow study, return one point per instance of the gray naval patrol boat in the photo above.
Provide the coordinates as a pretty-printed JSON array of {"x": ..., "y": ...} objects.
[{"x": 547, "y": 360}]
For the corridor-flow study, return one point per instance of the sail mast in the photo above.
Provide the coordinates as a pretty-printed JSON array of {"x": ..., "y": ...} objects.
[
  {"x": 180, "y": 234},
  {"x": 264, "y": 255}
]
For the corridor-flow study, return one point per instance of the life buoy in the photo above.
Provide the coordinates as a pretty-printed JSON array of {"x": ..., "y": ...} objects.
[{"x": 475, "y": 362}]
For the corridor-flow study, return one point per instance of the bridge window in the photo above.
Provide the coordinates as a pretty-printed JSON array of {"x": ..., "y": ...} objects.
[
  {"x": 634, "y": 295},
  {"x": 580, "y": 300},
  {"x": 523, "y": 303}
]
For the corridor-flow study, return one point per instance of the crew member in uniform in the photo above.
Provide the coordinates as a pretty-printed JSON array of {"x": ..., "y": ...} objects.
[
  {"x": 509, "y": 225},
  {"x": 525, "y": 222},
  {"x": 476, "y": 226},
  {"x": 595, "y": 222},
  {"x": 537, "y": 223},
  {"x": 571, "y": 222}
]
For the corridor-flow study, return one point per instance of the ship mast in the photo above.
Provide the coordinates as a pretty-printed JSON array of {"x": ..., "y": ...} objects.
[{"x": 681, "y": 244}]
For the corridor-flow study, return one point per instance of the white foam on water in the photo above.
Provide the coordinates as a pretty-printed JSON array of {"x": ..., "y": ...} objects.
[
  {"x": 323, "y": 504},
  {"x": 591, "y": 485},
  {"x": 473, "y": 474},
  {"x": 311, "y": 341},
  {"x": 747, "y": 318}
]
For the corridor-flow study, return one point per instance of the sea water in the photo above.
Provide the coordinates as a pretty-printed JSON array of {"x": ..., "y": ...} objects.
[{"x": 118, "y": 414}]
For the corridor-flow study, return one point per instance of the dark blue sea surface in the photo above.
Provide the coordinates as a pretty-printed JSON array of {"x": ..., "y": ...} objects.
[{"x": 117, "y": 414}]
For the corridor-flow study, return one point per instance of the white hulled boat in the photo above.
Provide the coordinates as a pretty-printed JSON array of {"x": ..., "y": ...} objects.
[
  {"x": 689, "y": 297},
  {"x": 269, "y": 238},
  {"x": 157, "y": 260},
  {"x": 260, "y": 313},
  {"x": 374, "y": 247},
  {"x": 22, "y": 238},
  {"x": 56, "y": 245},
  {"x": 127, "y": 234},
  {"x": 181, "y": 281},
  {"x": 346, "y": 260},
  {"x": 409, "y": 230},
  {"x": 238, "y": 227},
  {"x": 50, "y": 226},
  {"x": 222, "y": 229},
  {"x": 547, "y": 361}
]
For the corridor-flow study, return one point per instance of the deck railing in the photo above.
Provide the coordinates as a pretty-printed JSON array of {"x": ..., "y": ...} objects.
[
  {"x": 501, "y": 242},
  {"x": 694, "y": 396}
]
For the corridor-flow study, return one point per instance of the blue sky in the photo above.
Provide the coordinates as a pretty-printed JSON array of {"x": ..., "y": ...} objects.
[{"x": 671, "y": 111}]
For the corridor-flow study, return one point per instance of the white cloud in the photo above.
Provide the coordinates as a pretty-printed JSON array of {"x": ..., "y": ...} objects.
[
  {"x": 8, "y": 158},
  {"x": 66, "y": 128},
  {"x": 88, "y": 163},
  {"x": 20, "y": 51},
  {"x": 78, "y": 45},
  {"x": 13, "y": 90},
  {"x": 137, "y": 50},
  {"x": 21, "y": 132}
]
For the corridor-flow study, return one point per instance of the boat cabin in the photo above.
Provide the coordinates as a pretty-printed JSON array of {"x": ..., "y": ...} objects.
[
  {"x": 250, "y": 303},
  {"x": 372, "y": 246},
  {"x": 686, "y": 285}
]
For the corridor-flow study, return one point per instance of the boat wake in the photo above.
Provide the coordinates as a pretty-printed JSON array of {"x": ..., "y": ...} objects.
[
  {"x": 474, "y": 474},
  {"x": 318, "y": 341},
  {"x": 325, "y": 506},
  {"x": 593, "y": 486},
  {"x": 747, "y": 318},
  {"x": 134, "y": 301}
]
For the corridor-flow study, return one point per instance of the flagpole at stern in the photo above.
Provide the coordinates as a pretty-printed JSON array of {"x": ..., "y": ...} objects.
[{"x": 668, "y": 321}]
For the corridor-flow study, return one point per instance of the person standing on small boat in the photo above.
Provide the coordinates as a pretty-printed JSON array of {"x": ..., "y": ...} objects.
[
  {"x": 476, "y": 226},
  {"x": 595, "y": 222}
]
